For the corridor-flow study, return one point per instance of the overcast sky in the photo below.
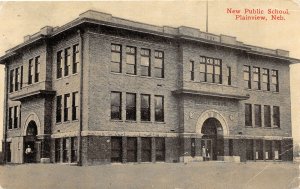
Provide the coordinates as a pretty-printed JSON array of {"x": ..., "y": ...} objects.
[{"x": 19, "y": 19}]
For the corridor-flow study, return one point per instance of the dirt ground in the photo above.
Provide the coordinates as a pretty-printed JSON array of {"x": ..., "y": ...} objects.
[{"x": 202, "y": 175}]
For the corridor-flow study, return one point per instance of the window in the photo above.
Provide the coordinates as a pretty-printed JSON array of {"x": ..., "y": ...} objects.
[
  {"x": 59, "y": 64},
  {"x": 249, "y": 149},
  {"x": 277, "y": 150},
  {"x": 116, "y": 149},
  {"x": 37, "y": 69},
  {"x": 217, "y": 71},
  {"x": 228, "y": 75},
  {"x": 248, "y": 115},
  {"x": 256, "y": 78},
  {"x": 145, "y": 107},
  {"x": 275, "y": 86},
  {"x": 202, "y": 69},
  {"x": 8, "y": 151},
  {"x": 67, "y": 61},
  {"x": 160, "y": 149},
  {"x": 145, "y": 62},
  {"x": 259, "y": 150},
  {"x": 210, "y": 70},
  {"x": 58, "y": 108},
  {"x": 30, "y": 72},
  {"x": 159, "y": 108},
  {"x": 75, "y": 58},
  {"x": 67, "y": 107},
  {"x": 247, "y": 77},
  {"x": 10, "y": 117},
  {"x": 65, "y": 150},
  {"x": 17, "y": 79},
  {"x": 193, "y": 147},
  {"x": 116, "y": 65},
  {"x": 73, "y": 149},
  {"x": 20, "y": 115},
  {"x": 192, "y": 70},
  {"x": 21, "y": 78},
  {"x": 230, "y": 141},
  {"x": 159, "y": 64},
  {"x": 116, "y": 102},
  {"x": 75, "y": 106},
  {"x": 276, "y": 116},
  {"x": 131, "y": 149},
  {"x": 257, "y": 109},
  {"x": 268, "y": 150},
  {"x": 130, "y": 106},
  {"x": 11, "y": 81},
  {"x": 146, "y": 149},
  {"x": 131, "y": 60},
  {"x": 266, "y": 80},
  {"x": 57, "y": 150},
  {"x": 16, "y": 119},
  {"x": 267, "y": 116}
]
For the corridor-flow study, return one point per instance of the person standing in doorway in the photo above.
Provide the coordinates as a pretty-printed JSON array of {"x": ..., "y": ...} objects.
[
  {"x": 28, "y": 153},
  {"x": 204, "y": 153}
]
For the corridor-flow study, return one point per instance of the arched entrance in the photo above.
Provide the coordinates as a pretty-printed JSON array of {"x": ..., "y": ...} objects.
[
  {"x": 30, "y": 147},
  {"x": 212, "y": 139},
  {"x": 213, "y": 127}
]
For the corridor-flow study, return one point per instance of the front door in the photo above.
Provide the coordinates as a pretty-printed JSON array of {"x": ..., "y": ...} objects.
[
  {"x": 207, "y": 149},
  {"x": 31, "y": 147},
  {"x": 29, "y": 151}
]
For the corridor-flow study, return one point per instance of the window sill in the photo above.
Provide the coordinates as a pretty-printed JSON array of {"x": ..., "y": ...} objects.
[
  {"x": 135, "y": 75},
  {"x": 158, "y": 122},
  {"x": 276, "y": 128},
  {"x": 68, "y": 76},
  {"x": 208, "y": 83},
  {"x": 145, "y": 76},
  {"x": 13, "y": 129},
  {"x": 261, "y": 90},
  {"x": 25, "y": 86},
  {"x": 267, "y": 127},
  {"x": 117, "y": 73},
  {"x": 261, "y": 127},
  {"x": 116, "y": 120},
  {"x": 146, "y": 121},
  {"x": 130, "y": 121},
  {"x": 132, "y": 75}
]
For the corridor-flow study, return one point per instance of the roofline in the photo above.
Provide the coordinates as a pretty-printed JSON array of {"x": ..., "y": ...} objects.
[{"x": 182, "y": 32}]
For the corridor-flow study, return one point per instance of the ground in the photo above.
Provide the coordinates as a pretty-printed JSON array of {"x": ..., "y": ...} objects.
[{"x": 202, "y": 175}]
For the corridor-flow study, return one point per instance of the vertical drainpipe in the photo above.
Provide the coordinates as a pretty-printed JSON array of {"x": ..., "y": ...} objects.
[
  {"x": 5, "y": 113},
  {"x": 81, "y": 98}
]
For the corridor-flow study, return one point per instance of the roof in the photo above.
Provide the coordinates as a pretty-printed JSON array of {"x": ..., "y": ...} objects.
[{"x": 182, "y": 32}]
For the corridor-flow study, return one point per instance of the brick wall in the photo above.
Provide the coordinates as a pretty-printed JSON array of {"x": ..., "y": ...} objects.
[{"x": 102, "y": 82}]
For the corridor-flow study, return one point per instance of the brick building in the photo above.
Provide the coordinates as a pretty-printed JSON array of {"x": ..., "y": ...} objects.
[{"x": 102, "y": 89}]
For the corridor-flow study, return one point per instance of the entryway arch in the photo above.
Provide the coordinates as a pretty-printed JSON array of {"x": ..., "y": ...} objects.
[
  {"x": 212, "y": 114},
  {"x": 32, "y": 118},
  {"x": 213, "y": 127}
]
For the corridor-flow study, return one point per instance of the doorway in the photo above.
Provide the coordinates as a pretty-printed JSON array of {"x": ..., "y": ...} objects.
[
  {"x": 31, "y": 148},
  {"x": 212, "y": 139},
  {"x": 207, "y": 146}
]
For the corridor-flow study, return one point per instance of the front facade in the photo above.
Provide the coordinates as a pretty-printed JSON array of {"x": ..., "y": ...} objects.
[{"x": 102, "y": 89}]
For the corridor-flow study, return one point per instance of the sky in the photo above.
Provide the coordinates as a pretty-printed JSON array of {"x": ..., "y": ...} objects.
[{"x": 19, "y": 19}]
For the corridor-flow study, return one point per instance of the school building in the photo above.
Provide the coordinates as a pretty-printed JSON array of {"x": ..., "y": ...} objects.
[{"x": 102, "y": 89}]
